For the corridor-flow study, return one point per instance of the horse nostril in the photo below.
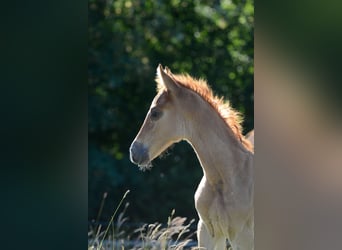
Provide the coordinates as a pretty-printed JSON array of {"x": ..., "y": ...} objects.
[{"x": 138, "y": 153}]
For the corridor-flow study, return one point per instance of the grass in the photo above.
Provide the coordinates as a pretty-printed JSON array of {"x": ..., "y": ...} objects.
[{"x": 175, "y": 234}]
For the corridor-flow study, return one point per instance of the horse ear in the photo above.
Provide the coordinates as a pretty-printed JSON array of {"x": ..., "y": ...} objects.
[{"x": 166, "y": 79}]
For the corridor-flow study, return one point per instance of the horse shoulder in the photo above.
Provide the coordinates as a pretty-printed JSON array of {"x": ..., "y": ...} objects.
[
  {"x": 211, "y": 207},
  {"x": 204, "y": 197}
]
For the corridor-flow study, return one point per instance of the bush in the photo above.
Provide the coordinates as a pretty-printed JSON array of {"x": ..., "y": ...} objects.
[{"x": 127, "y": 40}]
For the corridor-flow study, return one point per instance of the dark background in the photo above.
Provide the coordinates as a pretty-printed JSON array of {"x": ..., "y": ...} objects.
[
  {"x": 44, "y": 108},
  {"x": 126, "y": 42}
]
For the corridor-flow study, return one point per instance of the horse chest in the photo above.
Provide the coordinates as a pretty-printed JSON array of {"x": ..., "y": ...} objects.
[{"x": 213, "y": 207}]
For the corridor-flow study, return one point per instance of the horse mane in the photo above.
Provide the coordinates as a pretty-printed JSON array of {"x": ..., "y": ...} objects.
[{"x": 231, "y": 117}]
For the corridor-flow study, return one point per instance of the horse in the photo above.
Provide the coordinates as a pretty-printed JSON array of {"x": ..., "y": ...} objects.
[
  {"x": 250, "y": 136},
  {"x": 185, "y": 108}
]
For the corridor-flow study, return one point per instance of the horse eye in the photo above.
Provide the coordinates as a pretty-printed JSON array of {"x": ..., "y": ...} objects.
[{"x": 155, "y": 114}]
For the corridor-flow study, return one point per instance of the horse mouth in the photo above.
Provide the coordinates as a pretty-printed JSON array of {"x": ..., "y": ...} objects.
[{"x": 145, "y": 166}]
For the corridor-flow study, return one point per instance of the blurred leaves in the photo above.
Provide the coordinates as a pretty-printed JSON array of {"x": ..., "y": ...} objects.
[{"x": 126, "y": 41}]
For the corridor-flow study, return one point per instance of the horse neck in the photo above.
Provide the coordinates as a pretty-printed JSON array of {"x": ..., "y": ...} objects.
[{"x": 220, "y": 153}]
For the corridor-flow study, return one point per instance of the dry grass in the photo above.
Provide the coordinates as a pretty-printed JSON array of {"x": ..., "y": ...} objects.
[{"x": 175, "y": 234}]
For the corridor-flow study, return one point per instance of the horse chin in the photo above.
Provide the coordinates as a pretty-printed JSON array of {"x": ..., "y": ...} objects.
[{"x": 145, "y": 166}]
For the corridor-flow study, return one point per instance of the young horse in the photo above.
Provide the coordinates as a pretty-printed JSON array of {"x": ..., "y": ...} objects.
[
  {"x": 250, "y": 136},
  {"x": 186, "y": 109}
]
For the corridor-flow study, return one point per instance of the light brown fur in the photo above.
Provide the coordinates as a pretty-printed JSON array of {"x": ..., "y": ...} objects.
[
  {"x": 189, "y": 111},
  {"x": 232, "y": 117},
  {"x": 250, "y": 136}
]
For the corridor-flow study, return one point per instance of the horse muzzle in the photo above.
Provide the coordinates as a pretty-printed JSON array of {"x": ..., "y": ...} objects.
[{"x": 138, "y": 154}]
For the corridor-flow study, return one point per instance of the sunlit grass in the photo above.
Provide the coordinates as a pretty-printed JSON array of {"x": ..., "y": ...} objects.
[{"x": 175, "y": 234}]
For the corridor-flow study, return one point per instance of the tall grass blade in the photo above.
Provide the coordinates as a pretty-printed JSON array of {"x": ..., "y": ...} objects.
[{"x": 111, "y": 219}]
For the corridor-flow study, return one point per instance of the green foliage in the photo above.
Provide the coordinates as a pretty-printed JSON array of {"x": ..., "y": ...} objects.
[{"x": 127, "y": 40}]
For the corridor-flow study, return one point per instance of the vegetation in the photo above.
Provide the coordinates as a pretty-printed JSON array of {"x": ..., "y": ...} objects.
[
  {"x": 174, "y": 235},
  {"x": 127, "y": 40}
]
